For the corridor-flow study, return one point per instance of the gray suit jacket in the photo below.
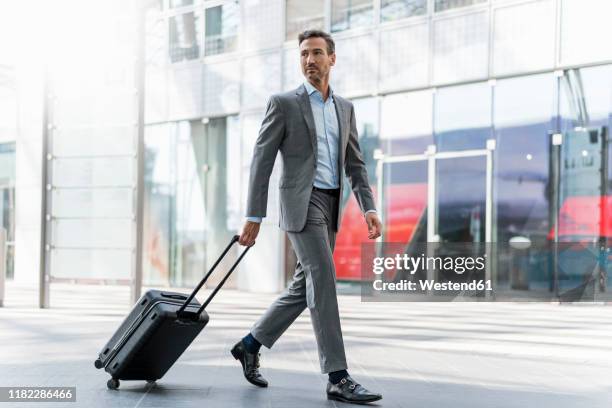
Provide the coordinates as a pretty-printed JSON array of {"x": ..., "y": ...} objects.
[{"x": 289, "y": 127}]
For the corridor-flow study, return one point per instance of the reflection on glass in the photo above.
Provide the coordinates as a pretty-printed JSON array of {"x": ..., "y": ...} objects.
[
  {"x": 406, "y": 123},
  {"x": 222, "y": 28},
  {"x": 185, "y": 222},
  {"x": 348, "y": 14},
  {"x": 586, "y": 97},
  {"x": 7, "y": 202},
  {"x": 441, "y": 5},
  {"x": 405, "y": 207},
  {"x": 180, "y": 3},
  {"x": 523, "y": 112},
  {"x": 405, "y": 201},
  {"x": 184, "y": 37},
  {"x": 460, "y": 199},
  {"x": 303, "y": 15},
  {"x": 391, "y": 10},
  {"x": 585, "y": 206},
  {"x": 462, "y": 117},
  {"x": 352, "y": 229}
]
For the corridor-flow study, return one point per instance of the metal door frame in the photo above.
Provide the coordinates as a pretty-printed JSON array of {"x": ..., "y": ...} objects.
[{"x": 431, "y": 155}]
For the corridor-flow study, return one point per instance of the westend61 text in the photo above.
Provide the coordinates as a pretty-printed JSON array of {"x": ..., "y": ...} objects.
[{"x": 405, "y": 285}]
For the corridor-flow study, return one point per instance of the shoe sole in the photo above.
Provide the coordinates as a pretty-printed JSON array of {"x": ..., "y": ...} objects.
[
  {"x": 336, "y": 398},
  {"x": 237, "y": 357}
]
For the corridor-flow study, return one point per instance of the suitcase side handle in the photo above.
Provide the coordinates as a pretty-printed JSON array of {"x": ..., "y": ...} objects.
[{"x": 234, "y": 239}]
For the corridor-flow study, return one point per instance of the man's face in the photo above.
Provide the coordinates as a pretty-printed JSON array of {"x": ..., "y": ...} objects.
[{"x": 316, "y": 62}]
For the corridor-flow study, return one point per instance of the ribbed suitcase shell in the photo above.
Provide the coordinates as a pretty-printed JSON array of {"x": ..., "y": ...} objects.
[
  {"x": 152, "y": 337},
  {"x": 142, "y": 306},
  {"x": 154, "y": 342}
]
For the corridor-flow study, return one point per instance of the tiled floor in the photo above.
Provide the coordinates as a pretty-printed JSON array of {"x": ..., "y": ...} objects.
[{"x": 416, "y": 354}]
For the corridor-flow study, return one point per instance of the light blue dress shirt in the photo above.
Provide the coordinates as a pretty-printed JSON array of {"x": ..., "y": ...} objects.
[{"x": 327, "y": 129}]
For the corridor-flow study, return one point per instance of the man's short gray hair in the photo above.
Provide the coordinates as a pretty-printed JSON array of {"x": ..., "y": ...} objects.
[{"x": 331, "y": 45}]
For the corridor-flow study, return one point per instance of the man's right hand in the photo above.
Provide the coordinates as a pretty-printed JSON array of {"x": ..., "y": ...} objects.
[{"x": 249, "y": 233}]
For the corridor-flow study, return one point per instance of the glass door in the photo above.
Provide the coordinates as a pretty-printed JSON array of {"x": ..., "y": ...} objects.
[
  {"x": 438, "y": 203},
  {"x": 581, "y": 220}
]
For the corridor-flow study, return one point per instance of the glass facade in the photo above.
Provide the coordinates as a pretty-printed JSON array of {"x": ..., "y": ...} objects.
[
  {"x": 348, "y": 244},
  {"x": 441, "y": 5},
  {"x": 184, "y": 35},
  {"x": 439, "y": 77},
  {"x": 301, "y": 15},
  {"x": 186, "y": 199},
  {"x": 391, "y": 10},
  {"x": 346, "y": 14},
  {"x": 222, "y": 28}
]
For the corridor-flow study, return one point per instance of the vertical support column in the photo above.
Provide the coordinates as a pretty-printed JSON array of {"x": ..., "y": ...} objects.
[
  {"x": 432, "y": 236},
  {"x": 139, "y": 72},
  {"x": 604, "y": 212},
  {"x": 380, "y": 186},
  {"x": 555, "y": 157},
  {"x": 2, "y": 264},
  {"x": 431, "y": 194},
  {"x": 489, "y": 213},
  {"x": 45, "y": 242}
]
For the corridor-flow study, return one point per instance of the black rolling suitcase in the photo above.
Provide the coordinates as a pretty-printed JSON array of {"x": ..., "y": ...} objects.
[{"x": 157, "y": 331}]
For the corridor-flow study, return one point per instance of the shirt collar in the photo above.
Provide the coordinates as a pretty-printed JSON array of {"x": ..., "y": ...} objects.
[{"x": 311, "y": 89}]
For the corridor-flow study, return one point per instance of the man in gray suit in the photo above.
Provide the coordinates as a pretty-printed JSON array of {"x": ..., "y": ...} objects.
[{"x": 316, "y": 134}]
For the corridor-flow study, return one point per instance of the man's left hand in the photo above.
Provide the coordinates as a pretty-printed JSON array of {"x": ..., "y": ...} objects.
[{"x": 374, "y": 225}]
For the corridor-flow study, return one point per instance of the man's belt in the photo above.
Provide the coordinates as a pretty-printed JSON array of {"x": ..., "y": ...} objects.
[{"x": 329, "y": 191}]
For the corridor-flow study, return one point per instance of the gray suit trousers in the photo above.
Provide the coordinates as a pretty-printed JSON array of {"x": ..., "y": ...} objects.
[{"x": 313, "y": 286}]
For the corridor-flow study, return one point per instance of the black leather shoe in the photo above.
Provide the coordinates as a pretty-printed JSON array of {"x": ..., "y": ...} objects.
[
  {"x": 347, "y": 390},
  {"x": 250, "y": 364}
]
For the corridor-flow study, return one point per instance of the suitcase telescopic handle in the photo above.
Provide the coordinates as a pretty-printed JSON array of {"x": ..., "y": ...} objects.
[{"x": 235, "y": 239}]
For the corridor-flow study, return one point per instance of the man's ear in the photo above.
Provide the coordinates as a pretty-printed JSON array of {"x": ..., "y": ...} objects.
[{"x": 333, "y": 59}]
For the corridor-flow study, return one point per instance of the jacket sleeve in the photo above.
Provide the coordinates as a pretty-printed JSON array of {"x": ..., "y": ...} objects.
[
  {"x": 355, "y": 169},
  {"x": 266, "y": 148}
]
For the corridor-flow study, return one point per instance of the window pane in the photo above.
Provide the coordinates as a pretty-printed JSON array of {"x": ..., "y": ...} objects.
[
  {"x": 523, "y": 111},
  {"x": 180, "y": 3},
  {"x": 583, "y": 38},
  {"x": 352, "y": 231},
  {"x": 91, "y": 263},
  {"x": 406, "y": 123},
  {"x": 405, "y": 52},
  {"x": 94, "y": 172},
  {"x": 184, "y": 37},
  {"x": 186, "y": 209},
  {"x": 92, "y": 233},
  {"x": 524, "y": 37},
  {"x": 303, "y": 15},
  {"x": 460, "y": 125},
  {"x": 461, "y": 47},
  {"x": 442, "y": 5},
  {"x": 351, "y": 13},
  {"x": 222, "y": 28},
  {"x": 261, "y": 25},
  {"x": 396, "y": 9},
  {"x": 585, "y": 108},
  {"x": 586, "y": 96},
  {"x": 89, "y": 202}
]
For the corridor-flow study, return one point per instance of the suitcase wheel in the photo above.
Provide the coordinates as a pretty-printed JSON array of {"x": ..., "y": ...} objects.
[
  {"x": 98, "y": 364},
  {"x": 112, "y": 384}
]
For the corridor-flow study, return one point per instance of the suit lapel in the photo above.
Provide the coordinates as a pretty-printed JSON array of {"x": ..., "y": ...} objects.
[{"x": 304, "y": 102}]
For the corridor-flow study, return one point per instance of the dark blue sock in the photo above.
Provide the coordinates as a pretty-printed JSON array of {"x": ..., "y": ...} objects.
[
  {"x": 336, "y": 376},
  {"x": 251, "y": 344}
]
